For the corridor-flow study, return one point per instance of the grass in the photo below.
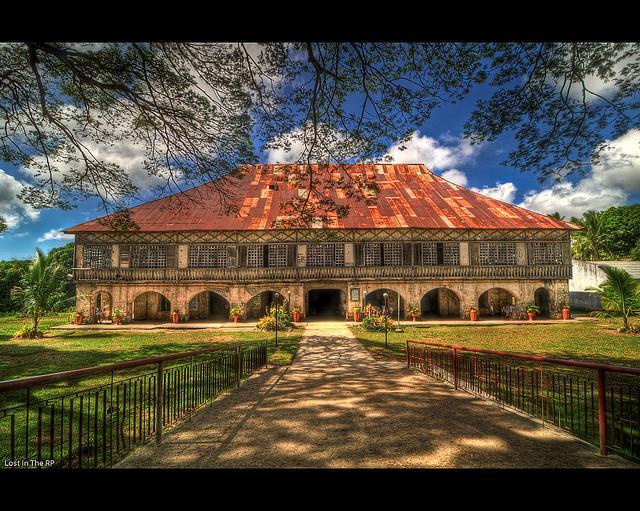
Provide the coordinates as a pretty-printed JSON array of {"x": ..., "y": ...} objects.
[
  {"x": 589, "y": 340},
  {"x": 72, "y": 349}
]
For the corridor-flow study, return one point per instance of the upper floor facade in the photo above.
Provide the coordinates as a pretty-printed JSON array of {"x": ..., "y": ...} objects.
[{"x": 320, "y": 254}]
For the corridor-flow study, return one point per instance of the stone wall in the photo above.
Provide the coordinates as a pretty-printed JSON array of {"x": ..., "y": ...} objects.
[{"x": 352, "y": 293}]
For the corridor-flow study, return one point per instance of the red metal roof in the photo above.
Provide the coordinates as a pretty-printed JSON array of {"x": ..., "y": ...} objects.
[{"x": 408, "y": 196}]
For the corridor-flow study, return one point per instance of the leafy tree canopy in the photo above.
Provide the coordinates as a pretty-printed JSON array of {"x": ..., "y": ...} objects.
[{"x": 196, "y": 108}]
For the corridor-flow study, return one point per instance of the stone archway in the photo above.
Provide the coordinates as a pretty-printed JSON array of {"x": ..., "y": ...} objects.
[
  {"x": 101, "y": 306},
  {"x": 208, "y": 306},
  {"x": 257, "y": 305},
  {"x": 542, "y": 298},
  {"x": 151, "y": 306},
  {"x": 440, "y": 302},
  {"x": 492, "y": 301},
  {"x": 376, "y": 298}
]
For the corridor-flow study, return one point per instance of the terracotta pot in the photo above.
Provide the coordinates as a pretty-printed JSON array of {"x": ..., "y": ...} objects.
[
  {"x": 531, "y": 316},
  {"x": 356, "y": 316},
  {"x": 473, "y": 315},
  {"x": 296, "y": 317},
  {"x": 117, "y": 320},
  {"x": 79, "y": 319},
  {"x": 175, "y": 317},
  {"x": 413, "y": 317},
  {"x": 235, "y": 318},
  {"x": 566, "y": 313}
]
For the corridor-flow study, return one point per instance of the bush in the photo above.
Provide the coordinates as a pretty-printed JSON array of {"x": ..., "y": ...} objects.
[
  {"x": 268, "y": 322},
  {"x": 28, "y": 332},
  {"x": 377, "y": 323}
]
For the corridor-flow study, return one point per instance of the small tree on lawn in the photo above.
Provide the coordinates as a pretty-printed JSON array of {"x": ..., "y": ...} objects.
[
  {"x": 38, "y": 291},
  {"x": 619, "y": 296}
]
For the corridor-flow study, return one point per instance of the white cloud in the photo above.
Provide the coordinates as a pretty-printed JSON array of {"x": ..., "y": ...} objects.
[
  {"x": 455, "y": 176},
  {"x": 11, "y": 208},
  {"x": 432, "y": 152},
  {"x": 505, "y": 192},
  {"x": 55, "y": 234},
  {"x": 609, "y": 184}
]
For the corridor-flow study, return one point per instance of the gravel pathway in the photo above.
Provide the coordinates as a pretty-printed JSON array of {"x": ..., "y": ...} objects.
[{"x": 336, "y": 406}]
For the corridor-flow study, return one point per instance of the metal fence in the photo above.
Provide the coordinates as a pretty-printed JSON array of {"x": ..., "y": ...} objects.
[
  {"x": 43, "y": 424},
  {"x": 596, "y": 402}
]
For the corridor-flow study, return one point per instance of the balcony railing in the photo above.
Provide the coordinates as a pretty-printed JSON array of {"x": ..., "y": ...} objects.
[{"x": 300, "y": 274}]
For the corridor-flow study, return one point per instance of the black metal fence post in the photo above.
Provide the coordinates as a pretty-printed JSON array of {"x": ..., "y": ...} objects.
[
  {"x": 159, "y": 403},
  {"x": 238, "y": 365}
]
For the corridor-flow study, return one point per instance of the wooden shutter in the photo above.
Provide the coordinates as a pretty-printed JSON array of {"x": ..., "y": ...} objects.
[
  {"x": 291, "y": 255},
  {"x": 242, "y": 256},
  {"x": 172, "y": 256},
  {"x": 407, "y": 253},
  {"x": 474, "y": 252},
  {"x": 232, "y": 256},
  {"x": 357, "y": 252},
  {"x": 417, "y": 254},
  {"x": 125, "y": 250}
]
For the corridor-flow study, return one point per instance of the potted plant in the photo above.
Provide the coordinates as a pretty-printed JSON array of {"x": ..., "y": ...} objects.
[
  {"x": 175, "y": 316},
  {"x": 356, "y": 313},
  {"x": 296, "y": 314},
  {"x": 413, "y": 310},
  {"x": 473, "y": 314},
  {"x": 532, "y": 310},
  {"x": 79, "y": 317},
  {"x": 117, "y": 316},
  {"x": 235, "y": 312},
  {"x": 566, "y": 312}
]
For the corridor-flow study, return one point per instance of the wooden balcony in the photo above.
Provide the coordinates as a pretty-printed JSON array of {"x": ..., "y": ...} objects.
[{"x": 247, "y": 275}]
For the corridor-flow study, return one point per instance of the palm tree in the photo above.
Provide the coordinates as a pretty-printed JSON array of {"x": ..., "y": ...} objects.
[
  {"x": 557, "y": 216},
  {"x": 619, "y": 295},
  {"x": 38, "y": 290},
  {"x": 591, "y": 240}
]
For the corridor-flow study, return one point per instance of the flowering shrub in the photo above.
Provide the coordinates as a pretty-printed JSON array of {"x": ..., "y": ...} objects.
[
  {"x": 377, "y": 323},
  {"x": 268, "y": 322}
]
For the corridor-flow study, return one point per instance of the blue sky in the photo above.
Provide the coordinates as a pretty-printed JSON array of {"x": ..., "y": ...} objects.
[{"x": 438, "y": 144}]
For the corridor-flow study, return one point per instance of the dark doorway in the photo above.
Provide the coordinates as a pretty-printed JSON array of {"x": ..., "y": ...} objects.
[
  {"x": 440, "y": 302},
  {"x": 541, "y": 297},
  {"x": 260, "y": 304},
  {"x": 209, "y": 306},
  {"x": 324, "y": 304}
]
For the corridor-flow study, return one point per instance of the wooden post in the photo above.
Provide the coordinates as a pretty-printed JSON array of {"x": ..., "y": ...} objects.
[{"x": 159, "y": 403}]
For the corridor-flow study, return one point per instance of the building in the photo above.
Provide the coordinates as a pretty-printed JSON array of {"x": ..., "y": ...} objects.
[
  {"x": 425, "y": 241},
  {"x": 588, "y": 274}
]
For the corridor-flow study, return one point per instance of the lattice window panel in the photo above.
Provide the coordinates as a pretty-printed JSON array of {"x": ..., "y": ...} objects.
[
  {"x": 207, "y": 256},
  {"x": 393, "y": 254},
  {"x": 371, "y": 254},
  {"x": 97, "y": 256},
  {"x": 547, "y": 253},
  {"x": 148, "y": 256},
  {"x": 325, "y": 254},
  {"x": 277, "y": 255},
  {"x": 451, "y": 254},
  {"x": 497, "y": 253},
  {"x": 429, "y": 254},
  {"x": 255, "y": 256}
]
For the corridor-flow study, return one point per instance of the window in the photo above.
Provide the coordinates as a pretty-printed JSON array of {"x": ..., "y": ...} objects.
[
  {"x": 207, "y": 256},
  {"x": 165, "y": 304},
  {"x": 97, "y": 256},
  {"x": 277, "y": 255},
  {"x": 447, "y": 254},
  {"x": 325, "y": 254},
  {"x": 546, "y": 253},
  {"x": 497, "y": 253},
  {"x": 255, "y": 256},
  {"x": 392, "y": 254},
  {"x": 371, "y": 254},
  {"x": 148, "y": 256}
]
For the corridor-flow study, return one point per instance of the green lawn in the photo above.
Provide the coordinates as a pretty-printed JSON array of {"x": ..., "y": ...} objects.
[
  {"x": 71, "y": 349},
  {"x": 586, "y": 340}
]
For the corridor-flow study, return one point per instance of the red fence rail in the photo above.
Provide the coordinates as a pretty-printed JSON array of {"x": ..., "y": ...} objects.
[{"x": 597, "y": 402}]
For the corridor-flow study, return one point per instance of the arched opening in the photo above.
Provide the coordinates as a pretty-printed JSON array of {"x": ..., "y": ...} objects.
[
  {"x": 209, "y": 306},
  {"x": 376, "y": 298},
  {"x": 324, "y": 304},
  {"x": 258, "y": 305},
  {"x": 440, "y": 302},
  {"x": 542, "y": 299},
  {"x": 102, "y": 305},
  {"x": 494, "y": 300},
  {"x": 151, "y": 305}
]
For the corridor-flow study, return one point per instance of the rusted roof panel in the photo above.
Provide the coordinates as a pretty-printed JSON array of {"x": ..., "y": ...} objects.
[{"x": 409, "y": 196}]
